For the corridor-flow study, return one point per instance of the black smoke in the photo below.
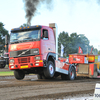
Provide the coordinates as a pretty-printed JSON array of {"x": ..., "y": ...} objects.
[{"x": 31, "y": 7}]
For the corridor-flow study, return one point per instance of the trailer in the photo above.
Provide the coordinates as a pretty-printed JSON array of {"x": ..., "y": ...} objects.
[{"x": 87, "y": 65}]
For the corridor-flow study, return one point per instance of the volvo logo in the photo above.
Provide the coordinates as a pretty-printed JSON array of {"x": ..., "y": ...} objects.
[{"x": 23, "y": 52}]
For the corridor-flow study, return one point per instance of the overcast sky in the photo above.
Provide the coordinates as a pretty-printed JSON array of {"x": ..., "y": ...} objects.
[{"x": 80, "y": 16}]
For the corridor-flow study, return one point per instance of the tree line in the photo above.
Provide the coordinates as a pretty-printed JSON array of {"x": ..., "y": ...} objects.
[
  {"x": 72, "y": 42},
  {"x": 3, "y": 32}
]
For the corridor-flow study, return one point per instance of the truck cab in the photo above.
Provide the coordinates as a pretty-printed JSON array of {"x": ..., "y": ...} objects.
[{"x": 30, "y": 48}]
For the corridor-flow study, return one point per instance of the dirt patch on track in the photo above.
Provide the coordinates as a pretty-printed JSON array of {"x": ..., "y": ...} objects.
[
  {"x": 60, "y": 96},
  {"x": 31, "y": 88}
]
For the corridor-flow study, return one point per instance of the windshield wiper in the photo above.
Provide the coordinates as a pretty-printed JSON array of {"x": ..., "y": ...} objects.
[
  {"x": 15, "y": 41},
  {"x": 28, "y": 39},
  {"x": 25, "y": 39}
]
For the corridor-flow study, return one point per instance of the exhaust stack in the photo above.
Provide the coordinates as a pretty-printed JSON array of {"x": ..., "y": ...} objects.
[{"x": 55, "y": 28}]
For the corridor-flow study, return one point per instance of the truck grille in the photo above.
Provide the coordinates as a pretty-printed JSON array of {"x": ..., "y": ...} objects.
[
  {"x": 23, "y": 53},
  {"x": 26, "y": 52},
  {"x": 24, "y": 60}
]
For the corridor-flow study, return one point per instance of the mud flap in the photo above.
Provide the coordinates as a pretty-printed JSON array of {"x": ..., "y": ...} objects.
[{"x": 93, "y": 71}]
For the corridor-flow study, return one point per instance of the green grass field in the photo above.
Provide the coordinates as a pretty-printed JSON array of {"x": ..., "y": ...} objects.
[{"x": 8, "y": 73}]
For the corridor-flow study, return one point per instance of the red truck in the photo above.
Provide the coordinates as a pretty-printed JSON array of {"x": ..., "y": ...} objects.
[{"x": 34, "y": 49}]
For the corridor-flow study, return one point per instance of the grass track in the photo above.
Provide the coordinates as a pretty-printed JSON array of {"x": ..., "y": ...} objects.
[{"x": 7, "y": 73}]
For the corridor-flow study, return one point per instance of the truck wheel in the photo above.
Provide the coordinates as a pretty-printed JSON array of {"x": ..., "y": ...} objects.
[
  {"x": 49, "y": 71},
  {"x": 72, "y": 74},
  {"x": 19, "y": 74},
  {"x": 41, "y": 76},
  {"x": 2, "y": 66}
]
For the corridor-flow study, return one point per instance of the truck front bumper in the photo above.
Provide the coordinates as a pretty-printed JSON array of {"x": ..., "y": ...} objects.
[{"x": 26, "y": 62}]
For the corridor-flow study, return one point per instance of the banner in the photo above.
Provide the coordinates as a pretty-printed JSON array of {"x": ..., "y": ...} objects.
[
  {"x": 62, "y": 50},
  {"x": 91, "y": 50},
  {"x": 80, "y": 50}
]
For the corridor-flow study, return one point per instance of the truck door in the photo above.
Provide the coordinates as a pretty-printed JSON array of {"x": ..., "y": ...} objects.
[{"x": 45, "y": 45}]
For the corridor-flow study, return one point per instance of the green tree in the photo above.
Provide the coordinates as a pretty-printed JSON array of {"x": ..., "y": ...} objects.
[
  {"x": 64, "y": 40},
  {"x": 99, "y": 52},
  {"x": 95, "y": 51},
  {"x": 71, "y": 43},
  {"x": 3, "y": 32},
  {"x": 83, "y": 42}
]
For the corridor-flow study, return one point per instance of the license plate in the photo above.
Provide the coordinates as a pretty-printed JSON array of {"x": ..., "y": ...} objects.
[{"x": 26, "y": 66}]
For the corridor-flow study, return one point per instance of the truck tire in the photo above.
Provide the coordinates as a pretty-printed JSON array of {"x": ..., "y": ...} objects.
[
  {"x": 19, "y": 74},
  {"x": 71, "y": 74},
  {"x": 49, "y": 71},
  {"x": 2, "y": 65},
  {"x": 41, "y": 76}
]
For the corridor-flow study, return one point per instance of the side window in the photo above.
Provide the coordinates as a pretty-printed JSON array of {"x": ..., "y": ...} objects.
[{"x": 45, "y": 34}]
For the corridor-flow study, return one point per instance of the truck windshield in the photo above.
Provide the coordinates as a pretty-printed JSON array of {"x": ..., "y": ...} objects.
[{"x": 24, "y": 36}]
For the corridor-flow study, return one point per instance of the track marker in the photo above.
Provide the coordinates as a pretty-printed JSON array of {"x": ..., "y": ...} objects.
[{"x": 97, "y": 92}]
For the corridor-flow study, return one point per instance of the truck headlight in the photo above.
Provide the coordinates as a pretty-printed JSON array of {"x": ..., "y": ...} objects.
[
  {"x": 12, "y": 66},
  {"x": 11, "y": 60},
  {"x": 37, "y": 58}
]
